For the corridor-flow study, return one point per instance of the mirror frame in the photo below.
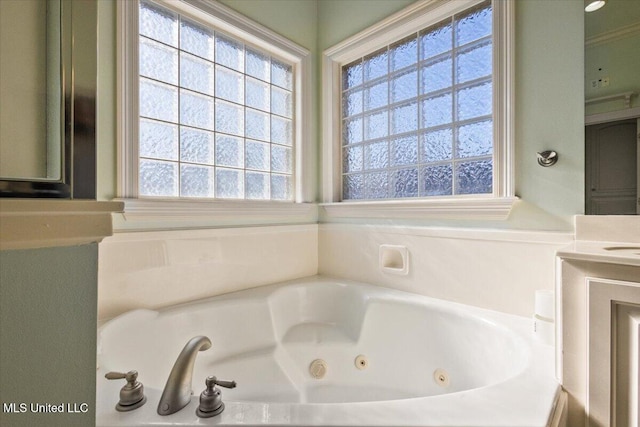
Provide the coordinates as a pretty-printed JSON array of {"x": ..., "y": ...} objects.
[{"x": 78, "y": 45}]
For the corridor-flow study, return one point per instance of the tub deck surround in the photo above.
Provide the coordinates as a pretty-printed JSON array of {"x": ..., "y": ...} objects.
[
  {"x": 156, "y": 269},
  {"x": 266, "y": 338},
  {"x": 493, "y": 269}
]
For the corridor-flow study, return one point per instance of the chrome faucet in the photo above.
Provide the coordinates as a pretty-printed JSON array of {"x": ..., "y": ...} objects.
[{"x": 177, "y": 392}]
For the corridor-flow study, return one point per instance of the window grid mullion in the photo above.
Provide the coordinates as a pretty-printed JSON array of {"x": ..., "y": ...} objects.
[
  {"x": 363, "y": 122},
  {"x": 418, "y": 98},
  {"x": 244, "y": 119},
  {"x": 389, "y": 119},
  {"x": 244, "y": 139},
  {"x": 270, "y": 145},
  {"x": 454, "y": 110},
  {"x": 179, "y": 109},
  {"x": 419, "y": 132},
  {"x": 215, "y": 133}
]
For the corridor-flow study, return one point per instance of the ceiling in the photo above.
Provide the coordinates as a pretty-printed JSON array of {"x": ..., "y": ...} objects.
[{"x": 615, "y": 14}]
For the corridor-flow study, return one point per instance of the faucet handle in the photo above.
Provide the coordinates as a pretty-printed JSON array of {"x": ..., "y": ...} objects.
[
  {"x": 211, "y": 400},
  {"x": 132, "y": 394},
  {"x": 212, "y": 381},
  {"x": 130, "y": 376}
]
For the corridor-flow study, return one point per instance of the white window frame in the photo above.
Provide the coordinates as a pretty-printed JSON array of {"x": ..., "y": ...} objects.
[
  {"x": 408, "y": 21},
  {"x": 211, "y": 13}
]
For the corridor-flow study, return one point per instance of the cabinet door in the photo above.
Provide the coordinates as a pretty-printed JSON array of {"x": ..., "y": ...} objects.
[
  {"x": 613, "y": 352},
  {"x": 626, "y": 361}
]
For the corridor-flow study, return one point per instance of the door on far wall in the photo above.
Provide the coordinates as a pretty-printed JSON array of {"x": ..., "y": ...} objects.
[{"x": 611, "y": 168}]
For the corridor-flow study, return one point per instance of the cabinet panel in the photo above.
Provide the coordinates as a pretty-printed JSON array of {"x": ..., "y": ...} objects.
[
  {"x": 610, "y": 303},
  {"x": 626, "y": 349}
]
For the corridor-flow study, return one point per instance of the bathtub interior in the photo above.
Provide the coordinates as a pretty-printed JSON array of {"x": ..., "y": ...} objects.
[{"x": 265, "y": 340}]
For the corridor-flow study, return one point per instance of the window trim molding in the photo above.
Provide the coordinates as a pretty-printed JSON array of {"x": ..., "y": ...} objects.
[
  {"x": 405, "y": 22},
  {"x": 484, "y": 208},
  {"x": 127, "y": 70},
  {"x": 127, "y": 107},
  {"x": 194, "y": 209}
]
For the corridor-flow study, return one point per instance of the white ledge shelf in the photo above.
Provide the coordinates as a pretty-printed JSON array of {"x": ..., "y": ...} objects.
[
  {"x": 186, "y": 212},
  {"x": 41, "y": 223},
  {"x": 489, "y": 208},
  {"x": 626, "y": 96}
]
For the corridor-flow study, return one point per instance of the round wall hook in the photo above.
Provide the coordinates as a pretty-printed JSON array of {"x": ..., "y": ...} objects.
[{"x": 547, "y": 158}]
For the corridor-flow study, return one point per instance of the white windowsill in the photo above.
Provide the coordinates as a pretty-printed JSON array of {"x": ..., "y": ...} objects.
[
  {"x": 197, "y": 210},
  {"x": 489, "y": 208}
]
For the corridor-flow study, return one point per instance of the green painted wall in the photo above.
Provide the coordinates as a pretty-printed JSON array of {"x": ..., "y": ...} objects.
[
  {"x": 295, "y": 20},
  {"x": 549, "y": 112},
  {"x": 106, "y": 102},
  {"x": 340, "y": 19},
  {"x": 48, "y": 333}
]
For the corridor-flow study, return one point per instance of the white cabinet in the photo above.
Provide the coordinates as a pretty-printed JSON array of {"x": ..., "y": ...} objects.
[{"x": 597, "y": 334}]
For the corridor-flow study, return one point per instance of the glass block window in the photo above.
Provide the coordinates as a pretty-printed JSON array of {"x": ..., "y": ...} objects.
[
  {"x": 215, "y": 115},
  {"x": 417, "y": 115}
]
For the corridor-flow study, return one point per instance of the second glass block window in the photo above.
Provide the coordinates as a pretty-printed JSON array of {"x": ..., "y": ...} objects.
[
  {"x": 216, "y": 115},
  {"x": 417, "y": 115}
]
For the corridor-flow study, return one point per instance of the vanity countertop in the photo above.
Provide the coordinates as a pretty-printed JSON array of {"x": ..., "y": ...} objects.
[{"x": 623, "y": 253}]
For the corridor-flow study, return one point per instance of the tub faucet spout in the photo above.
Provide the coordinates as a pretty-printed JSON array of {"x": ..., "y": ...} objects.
[{"x": 177, "y": 392}]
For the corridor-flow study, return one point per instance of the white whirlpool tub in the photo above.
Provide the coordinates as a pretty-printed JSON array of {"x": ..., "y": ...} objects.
[{"x": 427, "y": 362}]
